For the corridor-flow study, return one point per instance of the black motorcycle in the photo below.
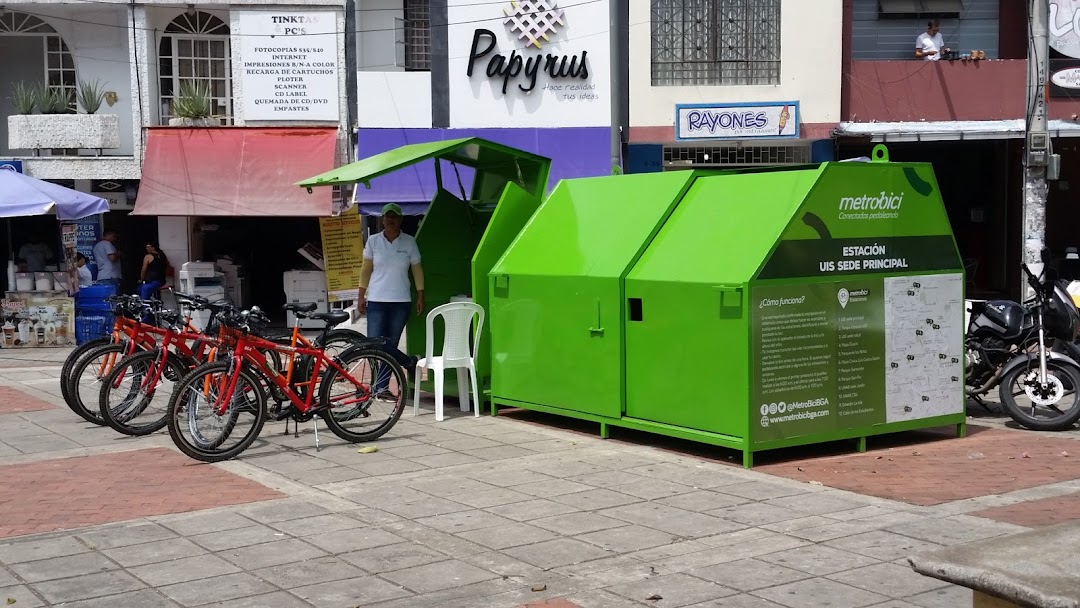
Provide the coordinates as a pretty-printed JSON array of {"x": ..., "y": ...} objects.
[{"x": 1030, "y": 354}]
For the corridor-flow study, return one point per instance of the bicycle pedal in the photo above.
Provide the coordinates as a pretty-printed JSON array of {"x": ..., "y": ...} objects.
[{"x": 284, "y": 413}]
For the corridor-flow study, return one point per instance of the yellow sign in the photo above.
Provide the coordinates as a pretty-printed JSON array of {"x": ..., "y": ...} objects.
[{"x": 343, "y": 253}]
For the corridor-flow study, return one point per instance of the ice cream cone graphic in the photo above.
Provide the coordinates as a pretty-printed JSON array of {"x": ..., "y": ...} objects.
[{"x": 784, "y": 116}]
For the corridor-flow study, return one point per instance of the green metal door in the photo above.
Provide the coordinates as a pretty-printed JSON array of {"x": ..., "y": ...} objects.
[
  {"x": 687, "y": 330},
  {"x": 556, "y": 295}
]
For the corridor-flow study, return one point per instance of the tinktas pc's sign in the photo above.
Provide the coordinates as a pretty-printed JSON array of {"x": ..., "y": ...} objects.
[{"x": 736, "y": 121}]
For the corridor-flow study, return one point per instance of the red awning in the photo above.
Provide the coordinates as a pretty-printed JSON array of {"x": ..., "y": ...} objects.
[{"x": 235, "y": 171}]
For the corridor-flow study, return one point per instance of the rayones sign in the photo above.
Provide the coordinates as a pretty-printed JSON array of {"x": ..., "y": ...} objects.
[{"x": 736, "y": 121}]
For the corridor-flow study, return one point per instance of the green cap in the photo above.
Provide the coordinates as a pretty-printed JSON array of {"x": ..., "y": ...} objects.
[{"x": 391, "y": 208}]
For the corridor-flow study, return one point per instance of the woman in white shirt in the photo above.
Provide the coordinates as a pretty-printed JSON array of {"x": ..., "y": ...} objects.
[
  {"x": 385, "y": 294},
  {"x": 86, "y": 279}
]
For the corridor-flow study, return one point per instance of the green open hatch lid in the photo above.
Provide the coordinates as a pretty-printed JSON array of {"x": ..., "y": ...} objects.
[{"x": 489, "y": 158}]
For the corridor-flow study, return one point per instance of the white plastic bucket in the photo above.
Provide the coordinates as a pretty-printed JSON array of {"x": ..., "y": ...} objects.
[
  {"x": 43, "y": 281},
  {"x": 24, "y": 281}
]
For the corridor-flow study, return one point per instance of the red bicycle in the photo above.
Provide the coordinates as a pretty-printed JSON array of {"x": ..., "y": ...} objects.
[
  {"x": 128, "y": 390},
  {"x": 219, "y": 409}
]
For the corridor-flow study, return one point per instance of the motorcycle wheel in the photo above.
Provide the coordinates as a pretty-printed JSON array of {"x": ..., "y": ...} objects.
[{"x": 1054, "y": 407}]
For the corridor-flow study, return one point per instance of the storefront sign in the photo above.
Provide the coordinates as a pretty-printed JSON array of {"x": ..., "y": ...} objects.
[
  {"x": 1065, "y": 27},
  {"x": 290, "y": 65},
  {"x": 528, "y": 66},
  {"x": 11, "y": 165},
  {"x": 735, "y": 121},
  {"x": 36, "y": 320},
  {"x": 1064, "y": 78},
  {"x": 87, "y": 234},
  {"x": 529, "y": 63},
  {"x": 343, "y": 253}
]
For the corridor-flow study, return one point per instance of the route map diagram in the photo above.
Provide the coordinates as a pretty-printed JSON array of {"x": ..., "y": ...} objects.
[{"x": 924, "y": 357}]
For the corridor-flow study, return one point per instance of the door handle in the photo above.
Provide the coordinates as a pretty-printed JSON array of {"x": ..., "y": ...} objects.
[
  {"x": 731, "y": 296},
  {"x": 598, "y": 328}
]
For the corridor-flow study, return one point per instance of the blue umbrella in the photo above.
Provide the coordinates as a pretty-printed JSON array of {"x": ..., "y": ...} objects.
[{"x": 22, "y": 195}]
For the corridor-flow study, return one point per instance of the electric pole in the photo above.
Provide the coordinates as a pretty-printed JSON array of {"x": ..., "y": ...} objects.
[
  {"x": 1037, "y": 140},
  {"x": 352, "y": 108},
  {"x": 614, "y": 40}
]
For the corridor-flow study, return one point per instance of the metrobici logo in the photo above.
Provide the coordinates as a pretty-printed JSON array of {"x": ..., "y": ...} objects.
[
  {"x": 785, "y": 411},
  {"x": 880, "y": 206}
]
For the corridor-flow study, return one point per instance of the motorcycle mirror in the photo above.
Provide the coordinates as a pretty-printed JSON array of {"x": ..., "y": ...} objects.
[
  {"x": 1071, "y": 253},
  {"x": 1044, "y": 255}
]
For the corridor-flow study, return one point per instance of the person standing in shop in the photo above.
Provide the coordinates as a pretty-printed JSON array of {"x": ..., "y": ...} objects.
[
  {"x": 35, "y": 254},
  {"x": 384, "y": 293},
  {"x": 86, "y": 278},
  {"x": 152, "y": 275},
  {"x": 107, "y": 258}
]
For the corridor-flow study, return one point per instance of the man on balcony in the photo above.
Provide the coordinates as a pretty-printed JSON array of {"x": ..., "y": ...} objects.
[{"x": 929, "y": 45}]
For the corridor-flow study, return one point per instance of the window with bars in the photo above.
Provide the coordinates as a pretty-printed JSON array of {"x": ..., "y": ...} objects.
[
  {"x": 715, "y": 42},
  {"x": 691, "y": 157},
  {"x": 59, "y": 64},
  {"x": 413, "y": 36},
  {"x": 195, "y": 47}
]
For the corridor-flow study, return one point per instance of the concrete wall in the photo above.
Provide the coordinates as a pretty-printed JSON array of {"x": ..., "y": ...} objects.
[
  {"x": 97, "y": 37},
  {"x": 810, "y": 55}
]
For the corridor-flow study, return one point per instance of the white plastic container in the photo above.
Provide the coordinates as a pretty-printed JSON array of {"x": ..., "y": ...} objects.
[
  {"x": 24, "y": 281},
  {"x": 43, "y": 281}
]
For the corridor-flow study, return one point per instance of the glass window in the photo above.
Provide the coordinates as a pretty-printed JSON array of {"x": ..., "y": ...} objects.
[
  {"x": 715, "y": 42},
  {"x": 196, "y": 48}
]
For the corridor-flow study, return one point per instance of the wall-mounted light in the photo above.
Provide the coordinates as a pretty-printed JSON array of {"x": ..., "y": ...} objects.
[
  {"x": 111, "y": 98},
  {"x": 191, "y": 10}
]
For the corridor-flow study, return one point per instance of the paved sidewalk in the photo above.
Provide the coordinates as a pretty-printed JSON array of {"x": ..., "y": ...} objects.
[{"x": 504, "y": 511}]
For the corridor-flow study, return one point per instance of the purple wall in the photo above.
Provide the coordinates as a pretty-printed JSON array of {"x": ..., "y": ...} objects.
[{"x": 574, "y": 152}]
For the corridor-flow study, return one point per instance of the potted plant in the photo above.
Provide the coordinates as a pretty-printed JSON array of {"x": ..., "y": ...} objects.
[
  {"x": 90, "y": 95},
  {"x": 25, "y": 97},
  {"x": 58, "y": 126},
  {"x": 193, "y": 106}
]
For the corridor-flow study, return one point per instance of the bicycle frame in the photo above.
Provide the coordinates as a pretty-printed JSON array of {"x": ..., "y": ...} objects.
[
  {"x": 247, "y": 349},
  {"x": 180, "y": 340}
]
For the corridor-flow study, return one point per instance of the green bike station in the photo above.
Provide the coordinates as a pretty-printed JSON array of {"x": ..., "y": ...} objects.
[{"x": 752, "y": 309}]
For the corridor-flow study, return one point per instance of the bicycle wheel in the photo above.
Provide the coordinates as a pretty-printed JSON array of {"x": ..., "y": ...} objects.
[
  {"x": 1051, "y": 407},
  {"x": 84, "y": 383},
  {"x": 368, "y": 404},
  {"x": 73, "y": 358},
  {"x": 195, "y": 425},
  {"x": 135, "y": 396}
]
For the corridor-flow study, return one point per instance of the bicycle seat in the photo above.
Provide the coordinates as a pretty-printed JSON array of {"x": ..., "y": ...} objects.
[
  {"x": 332, "y": 318},
  {"x": 298, "y": 307}
]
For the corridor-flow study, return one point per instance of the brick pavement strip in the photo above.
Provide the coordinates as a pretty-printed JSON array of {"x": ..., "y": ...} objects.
[
  {"x": 92, "y": 490},
  {"x": 988, "y": 461},
  {"x": 1036, "y": 513},
  {"x": 14, "y": 401}
]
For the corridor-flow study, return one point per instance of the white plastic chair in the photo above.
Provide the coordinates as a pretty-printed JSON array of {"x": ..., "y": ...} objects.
[{"x": 458, "y": 319}]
